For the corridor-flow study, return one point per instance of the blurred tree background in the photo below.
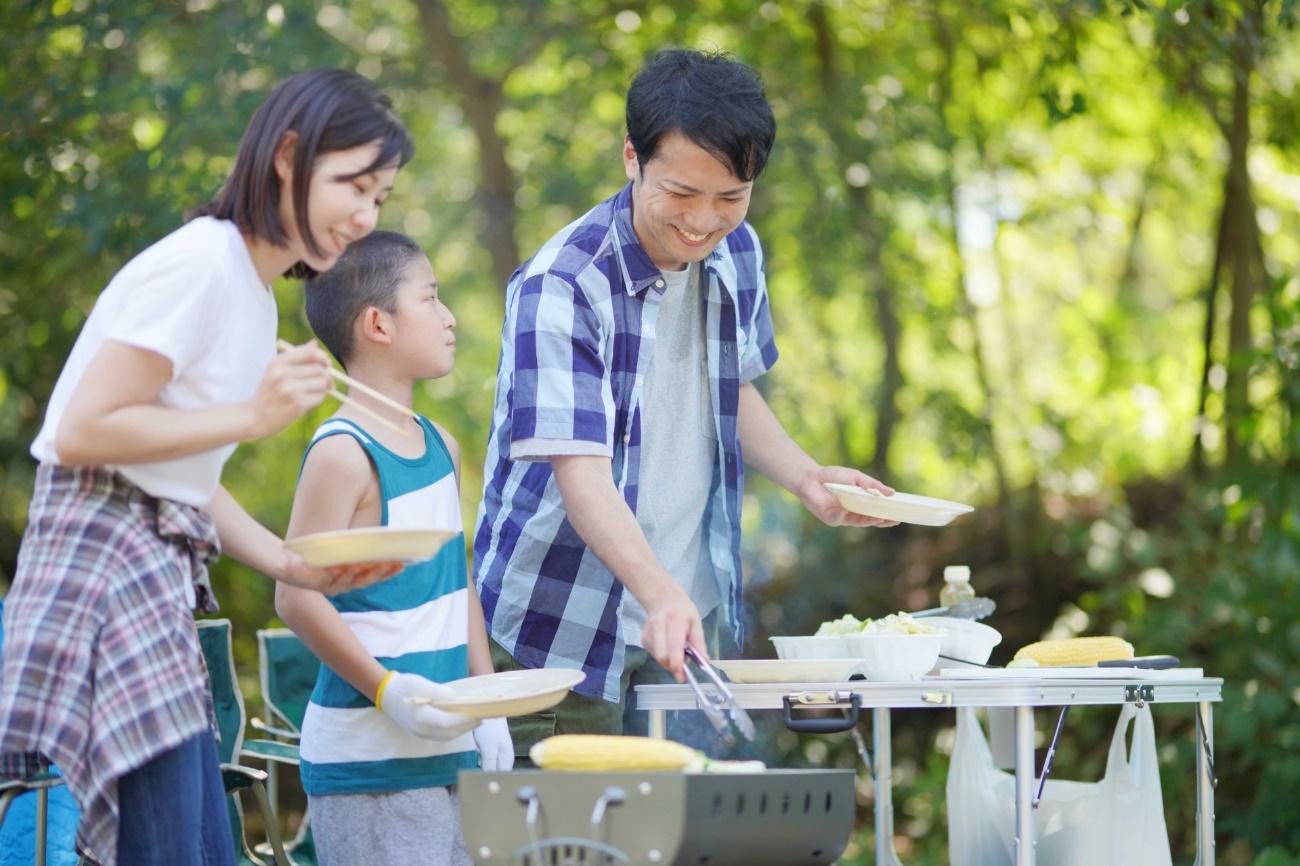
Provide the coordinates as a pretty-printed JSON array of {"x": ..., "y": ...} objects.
[{"x": 1039, "y": 256}]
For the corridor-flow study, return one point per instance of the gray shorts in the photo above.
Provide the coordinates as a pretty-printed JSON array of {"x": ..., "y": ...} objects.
[{"x": 417, "y": 826}]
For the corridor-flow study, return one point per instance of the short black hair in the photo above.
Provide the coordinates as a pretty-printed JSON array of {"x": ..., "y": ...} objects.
[
  {"x": 714, "y": 100},
  {"x": 368, "y": 274},
  {"x": 328, "y": 110}
]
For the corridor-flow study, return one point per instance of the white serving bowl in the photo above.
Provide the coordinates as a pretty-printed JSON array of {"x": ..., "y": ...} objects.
[
  {"x": 892, "y": 657},
  {"x": 809, "y": 647},
  {"x": 964, "y": 639}
]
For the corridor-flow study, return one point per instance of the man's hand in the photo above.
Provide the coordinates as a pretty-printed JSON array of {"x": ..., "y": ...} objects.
[
  {"x": 812, "y": 492},
  {"x": 670, "y": 624}
]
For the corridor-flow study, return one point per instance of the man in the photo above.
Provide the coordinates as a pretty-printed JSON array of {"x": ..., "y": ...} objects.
[{"x": 609, "y": 535}]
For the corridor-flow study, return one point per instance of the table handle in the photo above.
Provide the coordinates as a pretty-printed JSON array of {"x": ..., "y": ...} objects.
[{"x": 822, "y": 726}]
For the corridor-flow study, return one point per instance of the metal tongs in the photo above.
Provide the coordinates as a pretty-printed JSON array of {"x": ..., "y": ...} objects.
[{"x": 719, "y": 705}]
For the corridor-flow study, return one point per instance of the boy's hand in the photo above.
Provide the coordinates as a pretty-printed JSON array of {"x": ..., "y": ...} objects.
[
  {"x": 337, "y": 578},
  {"x": 295, "y": 381},
  {"x": 495, "y": 748},
  {"x": 401, "y": 697}
]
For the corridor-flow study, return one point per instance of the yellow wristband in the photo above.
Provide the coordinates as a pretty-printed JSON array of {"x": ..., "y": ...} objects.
[{"x": 379, "y": 692}]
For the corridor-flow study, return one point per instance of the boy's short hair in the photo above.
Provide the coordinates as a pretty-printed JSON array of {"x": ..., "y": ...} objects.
[
  {"x": 715, "y": 101},
  {"x": 368, "y": 274}
]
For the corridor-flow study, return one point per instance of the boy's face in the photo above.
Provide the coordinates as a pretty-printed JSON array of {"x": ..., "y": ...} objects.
[
  {"x": 424, "y": 330},
  {"x": 684, "y": 201}
]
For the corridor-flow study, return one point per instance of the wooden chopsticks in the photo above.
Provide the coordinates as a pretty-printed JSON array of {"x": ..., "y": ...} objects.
[{"x": 406, "y": 411}]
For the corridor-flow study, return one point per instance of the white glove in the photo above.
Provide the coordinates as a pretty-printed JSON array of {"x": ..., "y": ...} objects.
[
  {"x": 416, "y": 717},
  {"x": 495, "y": 748}
]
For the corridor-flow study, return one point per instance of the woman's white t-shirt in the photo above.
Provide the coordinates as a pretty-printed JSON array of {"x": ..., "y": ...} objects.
[{"x": 195, "y": 298}]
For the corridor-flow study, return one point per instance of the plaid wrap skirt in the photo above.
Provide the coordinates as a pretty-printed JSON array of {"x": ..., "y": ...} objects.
[{"x": 102, "y": 669}]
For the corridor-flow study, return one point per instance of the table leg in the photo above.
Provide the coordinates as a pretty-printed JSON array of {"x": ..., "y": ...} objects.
[
  {"x": 882, "y": 749},
  {"x": 658, "y": 724},
  {"x": 1025, "y": 844},
  {"x": 42, "y": 823},
  {"x": 1204, "y": 784}
]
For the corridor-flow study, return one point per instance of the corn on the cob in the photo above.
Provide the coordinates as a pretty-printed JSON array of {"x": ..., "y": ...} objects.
[
  {"x": 597, "y": 752},
  {"x": 1076, "y": 651}
]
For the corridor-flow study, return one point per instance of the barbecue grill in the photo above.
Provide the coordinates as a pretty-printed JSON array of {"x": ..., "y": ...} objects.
[{"x": 558, "y": 818}]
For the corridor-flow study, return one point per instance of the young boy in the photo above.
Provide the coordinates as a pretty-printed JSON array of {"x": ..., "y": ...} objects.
[{"x": 379, "y": 769}]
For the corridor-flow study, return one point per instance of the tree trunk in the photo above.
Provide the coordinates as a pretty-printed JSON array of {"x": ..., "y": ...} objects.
[
  {"x": 1207, "y": 333},
  {"x": 868, "y": 227},
  {"x": 1242, "y": 236},
  {"x": 1012, "y": 526},
  {"x": 480, "y": 100}
]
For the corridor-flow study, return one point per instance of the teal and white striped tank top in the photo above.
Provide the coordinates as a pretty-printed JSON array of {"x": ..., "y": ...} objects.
[{"x": 415, "y": 623}]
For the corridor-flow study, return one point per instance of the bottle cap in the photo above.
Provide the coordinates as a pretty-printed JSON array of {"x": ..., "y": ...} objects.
[{"x": 957, "y": 574}]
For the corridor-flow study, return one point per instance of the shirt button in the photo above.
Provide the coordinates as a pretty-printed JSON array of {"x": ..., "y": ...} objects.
[
  {"x": 627, "y": 437},
  {"x": 659, "y": 284}
]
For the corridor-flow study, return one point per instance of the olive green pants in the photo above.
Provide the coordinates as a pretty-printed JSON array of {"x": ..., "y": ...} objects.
[{"x": 579, "y": 714}]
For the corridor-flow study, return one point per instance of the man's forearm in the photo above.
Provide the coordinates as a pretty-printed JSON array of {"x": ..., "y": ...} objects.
[
  {"x": 767, "y": 447},
  {"x": 601, "y": 516}
]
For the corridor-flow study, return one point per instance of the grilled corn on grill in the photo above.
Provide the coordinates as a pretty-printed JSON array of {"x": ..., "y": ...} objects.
[{"x": 557, "y": 818}]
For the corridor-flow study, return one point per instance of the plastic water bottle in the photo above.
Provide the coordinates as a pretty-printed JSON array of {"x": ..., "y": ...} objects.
[{"x": 956, "y": 585}]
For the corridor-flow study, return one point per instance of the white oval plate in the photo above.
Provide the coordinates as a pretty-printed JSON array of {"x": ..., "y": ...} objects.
[
  {"x": 902, "y": 507},
  {"x": 787, "y": 670},
  {"x": 508, "y": 693},
  {"x": 369, "y": 544}
]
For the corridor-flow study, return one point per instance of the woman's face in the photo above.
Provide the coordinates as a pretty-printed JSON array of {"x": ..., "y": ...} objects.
[{"x": 341, "y": 208}]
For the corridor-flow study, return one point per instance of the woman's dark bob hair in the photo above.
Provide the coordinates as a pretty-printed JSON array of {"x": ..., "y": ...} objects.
[{"x": 327, "y": 110}]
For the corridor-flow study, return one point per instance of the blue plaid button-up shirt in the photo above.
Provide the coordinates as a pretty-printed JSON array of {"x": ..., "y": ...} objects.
[{"x": 578, "y": 337}]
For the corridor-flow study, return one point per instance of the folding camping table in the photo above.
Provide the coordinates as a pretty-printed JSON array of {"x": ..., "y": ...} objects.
[{"x": 1020, "y": 689}]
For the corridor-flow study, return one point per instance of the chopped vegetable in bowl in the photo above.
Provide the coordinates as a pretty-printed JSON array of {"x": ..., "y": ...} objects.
[
  {"x": 847, "y": 624},
  {"x": 895, "y": 623}
]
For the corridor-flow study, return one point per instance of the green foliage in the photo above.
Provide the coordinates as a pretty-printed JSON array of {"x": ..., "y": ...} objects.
[{"x": 1015, "y": 202}]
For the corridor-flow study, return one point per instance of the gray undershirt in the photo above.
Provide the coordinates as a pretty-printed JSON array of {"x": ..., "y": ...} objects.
[{"x": 678, "y": 444}]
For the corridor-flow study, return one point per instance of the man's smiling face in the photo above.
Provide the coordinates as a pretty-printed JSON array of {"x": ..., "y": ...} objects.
[{"x": 684, "y": 201}]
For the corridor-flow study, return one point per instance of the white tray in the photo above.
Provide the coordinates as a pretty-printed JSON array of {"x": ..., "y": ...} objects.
[{"x": 788, "y": 670}]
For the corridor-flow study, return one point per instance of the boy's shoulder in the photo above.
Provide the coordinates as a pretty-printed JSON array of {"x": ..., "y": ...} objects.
[
  {"x": 338, "y": 456},
  {"x": 453, "y": 447}
]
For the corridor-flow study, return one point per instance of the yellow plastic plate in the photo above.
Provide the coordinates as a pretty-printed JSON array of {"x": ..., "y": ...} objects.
[
  {"x": 508, "y": 693},
  {"x": 902, "y": 507},
  {"x": 372, "y": 544}
]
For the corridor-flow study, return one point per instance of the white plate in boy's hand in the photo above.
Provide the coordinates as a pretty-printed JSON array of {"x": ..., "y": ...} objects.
[
  {"x": 369, "y": 544},
  {"x": 901, "y": 507},
  {"x": 508, "y": 693}
]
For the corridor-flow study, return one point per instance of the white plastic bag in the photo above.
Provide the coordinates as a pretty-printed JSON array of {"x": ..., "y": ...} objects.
[{"x": 1119, "y": 820}]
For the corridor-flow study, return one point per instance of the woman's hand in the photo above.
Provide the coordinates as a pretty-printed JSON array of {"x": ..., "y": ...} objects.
[
  {"x": 295, "y": 382},
  {"x": 336, "y": 578}
]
